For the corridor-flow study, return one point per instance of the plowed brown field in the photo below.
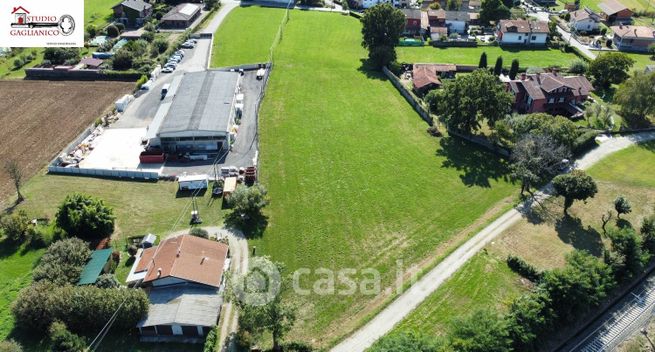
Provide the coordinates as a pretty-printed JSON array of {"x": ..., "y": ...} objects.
[{"x": 39, "y": 118}]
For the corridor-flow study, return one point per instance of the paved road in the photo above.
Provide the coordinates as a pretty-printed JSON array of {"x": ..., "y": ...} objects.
[
  {"x": 545, "y": 16},
  {"x": 410, "y": 299}
]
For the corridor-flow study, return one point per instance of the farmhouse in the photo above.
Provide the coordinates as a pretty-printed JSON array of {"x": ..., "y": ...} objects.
[
  {"x": 132, "y": 12},
  {"x": 184, "y": 279},
  {"x": 549, "y": 92},
  {"x": 181, "y": 16},
  {"x": 199, "y": 119},
  {"x": 522, "y": 32},
  {"x": 633, "y": 38},
  {"x": 584, "y": 20},
  {"x": 614, "y": 11}
]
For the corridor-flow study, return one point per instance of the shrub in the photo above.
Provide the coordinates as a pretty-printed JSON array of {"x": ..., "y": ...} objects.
[
  {"x": 63, "y": 262},
  {"x": 85, "y": 217},
  {"x": 112, "y": 31},
  {"x": 19, "y": 62},
  {"x": 63, "y": 340},
  {"x": 10, "y": 346},
  {"x": 142, "y": 80},
  {"x": 521, "y": 267},
  {"x": 578, "y": 67},
  {"x": 15, "y": 226},
  {"x": 107, "y": 281},
  {"x": 81, "y": 308},
  {"x": 211, "y": 341},
  {"x": 161, "y": 45},
  {"x": 58, "y": 56},
  {"x": 622, "y": 206},
  {"x": 148, "y": 36},
  {"x": 120, "y": 27},
  {"x": 92, "y": 30},
  {"x": 199, "y": 232}
]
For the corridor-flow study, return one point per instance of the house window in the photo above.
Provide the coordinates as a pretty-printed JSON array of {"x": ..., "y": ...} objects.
[
  {"x": 551, "y": 100},
  {"x": 189, "y": 330},
  {"x": 529, "y": 101},
  {"x": 165, "y": 330},
  {"x": 534, "y": 37},
  {"x": 519, "y": 37},
  {"x": 561, "y": 99}
]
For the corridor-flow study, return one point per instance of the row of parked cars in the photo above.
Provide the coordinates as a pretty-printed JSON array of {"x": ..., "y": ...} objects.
[{"x": 177, "y": 57}]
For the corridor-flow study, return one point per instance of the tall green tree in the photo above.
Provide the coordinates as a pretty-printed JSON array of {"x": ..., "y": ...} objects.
[
  {"x": 407, "y": 342},
  {"x": 482, "y": 331},
  {"x": 610, "y": 68},
  {"x": 647, "y": 232},
  {"x": 483, "y": 60},
  {"x": 464, "y": 103},
  {"x": 382, "y": 25},
  {"x": 622, "y": 206},
  {"x": 247, "y": 205},
  {"x": 493, "y": 10},
  {"x": 498, "y": 68},
  {"x": 626, "y": 257},
  {"x": 63, "y": 340},
  {"x": 514, "y": 69},
  {"x": 530, "y": 316},
  {"x": 576, "y": 185},
  {"x": 85, "y": 217},
  {"x": 636, "y": 96}
]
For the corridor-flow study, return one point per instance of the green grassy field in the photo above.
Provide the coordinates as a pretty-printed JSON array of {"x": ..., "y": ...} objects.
[
  {"x": 354, "y": 179},
  {"x": 641, "y": 60},
  {"x": 98, "y": 12},
  {"x": 7, "y": 70},
  {"x": 16, "y": 273},
  {"x": 486, "y": 281},
  {"x": 471, "y": 56},
  {"x": 245, "y": 36}
]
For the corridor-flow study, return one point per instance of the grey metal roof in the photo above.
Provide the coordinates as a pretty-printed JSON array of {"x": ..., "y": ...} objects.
[
  {"x": 138, "y": 5},
  {"x": 181, "y": 12},
  {"x": 203, "y": 102},
  {"x": 183, "y": 305},
  {"x": 457, "y": 16}
]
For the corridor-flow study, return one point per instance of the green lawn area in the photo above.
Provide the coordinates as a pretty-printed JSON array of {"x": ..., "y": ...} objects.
[
  {"x": 16, "y": 273},
  {"x": 245, "y": 36},
  {"x": 486, "y": 281},
  {"x": 7, "y": 64},
  {"x": 641, "y": 60},
  {"x": 354, "y": 179},
  {"x": 471, "y": 56},
  {"x": 98, "y": 12}
]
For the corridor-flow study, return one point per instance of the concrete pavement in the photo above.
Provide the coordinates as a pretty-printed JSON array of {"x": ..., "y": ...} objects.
[{"x": 391, "y": 315}]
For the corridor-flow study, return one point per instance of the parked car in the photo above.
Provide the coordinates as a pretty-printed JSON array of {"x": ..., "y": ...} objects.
[
  {"x": 177, "y": 57},
  {"x": 167, "y": 69},
  {"x": 188, "y": 45},
  {"x": 172, "y": 65},
  {"x": 180, "y": 52}
]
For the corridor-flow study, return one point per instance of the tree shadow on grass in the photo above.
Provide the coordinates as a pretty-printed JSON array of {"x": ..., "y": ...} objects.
[
  {"x": 370, "y": 71},
  {"x": 541, "y": 213},
  {"x": 571, "y": 230},
  {"x": 252, "y": 227},
  {"x": 477, "y": 165}
]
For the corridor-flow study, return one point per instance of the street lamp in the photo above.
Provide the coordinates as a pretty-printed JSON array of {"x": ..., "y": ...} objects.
[{"x": 645, "y": 333}]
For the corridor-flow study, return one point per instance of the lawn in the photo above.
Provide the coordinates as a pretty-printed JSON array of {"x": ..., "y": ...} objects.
[
  {"x": 471, "y": 56},
  {"x": 98, "y": 12},
  {"x": 245, "y": 36},
  {"x": 7, "y": 70},
  {"x": 354, "y": 179},
  {"x": 641, "y": 60},
  {"x": 542, "y": 240}
]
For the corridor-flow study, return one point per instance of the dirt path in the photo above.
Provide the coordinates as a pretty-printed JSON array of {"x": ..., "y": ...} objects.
[{"x": 384, "y": 321}]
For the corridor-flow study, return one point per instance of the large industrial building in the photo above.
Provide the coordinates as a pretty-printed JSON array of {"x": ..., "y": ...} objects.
[{"x": 198, "y": 119}]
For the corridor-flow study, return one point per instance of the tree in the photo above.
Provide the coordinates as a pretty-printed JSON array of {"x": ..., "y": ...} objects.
[
  {"x": 626, "y": 257},
  {"x": 493, "y": 10},
  {"x": 514, "y": 69},
  {"x": 275, "y": 317},
  {"x": 122, "y": 60},
  {"x": 530, "y": 316},
  {"x": 576, "y": 185},
  {"x": 468, "y": 100},
  {"x": 482, "y": 331},
  {"x": 453, "y": 5},
  {"x": 15, "y": 226},
  {"x": 535, "y": 159},
  {"x": 498, "y": 68},
  {"x": 247, "y": 204},
  {"x": 199, "y": 232},
  {"x": 112, "y": 31},
  {"x": 483, "y": 60},
  {"x": 161, "y": 44},
  {"x": 63, "y": 340},
  {"x": 651, "y": 50},
  {"x": 647, "y": 232},
  {"x": 63, "y": 262},
  {"x": 58, "y": 56},
  {"x": 599, "y": 116},
  {"x": 622, "y": 206},
  {"x": 636, "y": 97},
  {"x": 92, "y": 30},
  {"x": 212, "y": 4},
  {"x": 407, "y": 342},
  {"x": 562, "y": 130},
  {"x": 85, "y": 217},
  {"x": 610, "y": 68},
  {"x": 382, "y": 25},
  {"x": 15, "y": 174}
]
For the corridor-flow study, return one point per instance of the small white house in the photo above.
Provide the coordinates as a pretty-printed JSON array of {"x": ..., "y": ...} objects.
[
  {"x": 522, "y": 32},
  {"x": 192, "y": 182},
  {"x": 584, "y": 20}
]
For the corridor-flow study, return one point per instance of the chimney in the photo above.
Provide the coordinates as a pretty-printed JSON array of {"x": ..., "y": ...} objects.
[
  {"x": 159, "y": 272},
  {"x": 178, "y": 252},
  {"x": 202, "y": 260}
]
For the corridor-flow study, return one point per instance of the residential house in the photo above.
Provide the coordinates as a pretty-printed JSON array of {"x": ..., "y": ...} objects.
[
  {"x": 426, "y": 77},
  {"x": 549, "y": 92},
  {"x": 584, "y": 20},
  {"x": 522, "y": 32},
  {"x": 181, "y": 16},
  {"x": 457, "y": 21},
  {"x": 474, "y": 18},
  {"x": 613, "y": 11},
  {"x": 412, "y": 21},
  {"x": 132, "y": 12},
  {"x": 370, "y": 3},
  {"x": 91, "y": 63},
  {"x": 437, "y": 18},
  {"x": 184, "y": 279},
  {"x": 474, "y": 5},
  {"x": 436, "y": 33},
  {"x": 633, "y": 38}
]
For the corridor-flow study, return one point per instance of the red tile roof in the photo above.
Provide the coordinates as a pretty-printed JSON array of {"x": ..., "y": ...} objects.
[
  {"x": 538, "y": 85},
  {"x": 610, "y": 7},
  {"x": 424, "y": 75},
  {"x": 185, "y": 257},
  {"x": 634, "y": 32}
]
